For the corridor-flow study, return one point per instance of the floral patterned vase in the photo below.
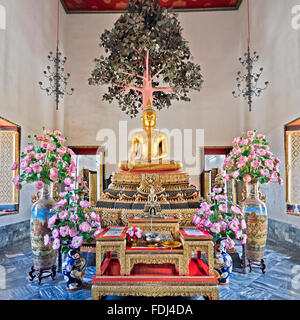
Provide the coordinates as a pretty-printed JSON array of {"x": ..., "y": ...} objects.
[
  {"x": 44, "y": 256},
  {"x": 256, "y": 217},
  {"x": 223, "y": 263},
  {"x": 73, "y": 270}
]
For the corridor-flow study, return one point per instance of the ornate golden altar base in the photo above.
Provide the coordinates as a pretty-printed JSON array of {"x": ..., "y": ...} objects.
[{"x": 127, "y": 283}]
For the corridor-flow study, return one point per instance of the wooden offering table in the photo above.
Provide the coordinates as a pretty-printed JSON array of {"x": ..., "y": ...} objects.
[{"x": 154, "y": 271}]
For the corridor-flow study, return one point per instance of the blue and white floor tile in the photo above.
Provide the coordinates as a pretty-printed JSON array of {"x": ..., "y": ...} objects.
[{"x": 280, "y": 282}]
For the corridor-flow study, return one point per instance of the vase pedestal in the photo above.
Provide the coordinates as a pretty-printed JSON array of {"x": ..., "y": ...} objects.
[
  {"x": 257, "y": 264},
  {"x": 42, "y": 273}
]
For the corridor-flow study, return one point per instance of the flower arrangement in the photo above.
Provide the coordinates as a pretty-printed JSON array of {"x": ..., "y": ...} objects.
[
  {"x": 221, "y": 218},
  {"x": 219, "y": 183},
  {"x": 252, "y": 160},
  {"x": 73, "y": 220},
  {"x": 134, "y": 233},
  {"x": 45, "y": 160}
]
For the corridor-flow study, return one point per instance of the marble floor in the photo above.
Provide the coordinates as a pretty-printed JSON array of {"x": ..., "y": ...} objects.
[{"x": 280, "y": 282}]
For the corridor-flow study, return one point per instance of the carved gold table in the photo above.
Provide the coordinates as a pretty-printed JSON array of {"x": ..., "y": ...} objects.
[
  {"x": 111, "y": 240},
  {"x": 197, "y": 241},
  {"x": 158, "y": 271}
]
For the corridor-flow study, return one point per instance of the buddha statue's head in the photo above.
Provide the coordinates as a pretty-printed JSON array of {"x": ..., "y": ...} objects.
[{"x": 149, "y": 117}]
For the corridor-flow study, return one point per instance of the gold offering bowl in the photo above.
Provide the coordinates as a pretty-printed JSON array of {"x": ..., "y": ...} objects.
[{"x": 172, "y": 244}]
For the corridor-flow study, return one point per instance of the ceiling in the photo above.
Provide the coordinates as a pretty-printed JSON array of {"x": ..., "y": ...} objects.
[{"x": 108, "y": 6}]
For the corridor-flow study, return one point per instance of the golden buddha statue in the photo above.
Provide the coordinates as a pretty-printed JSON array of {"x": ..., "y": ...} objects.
[{"x": 153, "y": 146}]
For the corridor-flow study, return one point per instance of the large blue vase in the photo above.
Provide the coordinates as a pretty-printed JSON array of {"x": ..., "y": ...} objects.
[
  {"x": 223, "y": 263},
  {"x": 73, "y": 270},
  {"x": 44, "y": 257}
]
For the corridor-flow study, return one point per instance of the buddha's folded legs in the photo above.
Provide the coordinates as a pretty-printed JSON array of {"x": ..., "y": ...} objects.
[{"x": 150, "y": 166}]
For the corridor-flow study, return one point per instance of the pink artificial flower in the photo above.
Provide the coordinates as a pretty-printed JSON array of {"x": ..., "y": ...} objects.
[
  {"x": 47, "y": 240},
  {"x": 269, "y": 163},
  {"x": 250, "y": 134},
  {"x": 54, "y": 171},
  {"x": 223, "y": 207},
  {"x": 204, "y": 206},
  {"x": 28, "y": 148},
  {"x": 39, "y": 185},
  {"x": 14, "y": 166},
  {"x": 233, "y": 225},
  {"x": 56, "y": 244},
  {"x": 236, "y": 150},
  {"x": 57, "y": 133},
  {"x": 236, "y": 140},
  {"x": 48, "y": 132},
  {"x": 247, "y": 178},
  {"x": 51, "y": 146},
  {"x": 85, "y": 227},
  {"x": 220, "y": 197},
  {"x": 235, "y": 209},
  {"x": 93, "y": 215},
  {"x": 84, "y": 204},
  {"x": 215, "y": 228},
  {"x": 223, "y": 225},
  {"x": 52, "y": 220},
  {"x": 274, "y": 176},
  {"x": 71, "y": 152},
  {"x": 37, "y": 168},
  {"x": 197, "y": 220},
  {"x": 244, "y": 141},
  {"x": 60, "y": 151},
  {"x": 241, "y": 164},
  {"x": 227, "y": 177},
  {"x": 207, "y": 223},
  {"x": 73, "y": 232},
  {"x": 76, "y": 242},
  {"x": 264, "y": 172},
  {"x": 235, "y": 174},
  {"x": 39, "y": 156},
  {"x": 40, "y": 138},
  {"x": 63, "y": 214},
  {"x": 229, "y": 243},
  {"x": 261, "y": 152},
  {"x": 280, "y": 181},
  {"x": 139, "y": 234},
  {"x": 217, "y": 190},
  {"x": 44, "y": 145},
  {"x": 64, "y": 231},
  {"x": 55, "y": 233},
  {"x": 24, "y": 164},
  {"x": 277, "y": 160},
  {"x": 255, "y": 164},
  {"x": 16, "y": 180},
  {"x": 68, "y": 181},
  {"x": 62, "y": 194},
  {"x": 53, "y": 177},
  {"x": 244, "y": 238},
  {"x": 261, "y": 136},
  {"x": 131, "y": 233}
]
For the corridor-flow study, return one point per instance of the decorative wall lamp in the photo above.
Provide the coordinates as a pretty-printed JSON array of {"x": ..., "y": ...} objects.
[
  {"x": 250, "y": 78},
  {"x": 58, "y": 81}
]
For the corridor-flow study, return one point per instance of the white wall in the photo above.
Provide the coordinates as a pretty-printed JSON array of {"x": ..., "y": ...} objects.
[
  {"x": 24, "y": 46},
  {"x": 277, "y": 43}
]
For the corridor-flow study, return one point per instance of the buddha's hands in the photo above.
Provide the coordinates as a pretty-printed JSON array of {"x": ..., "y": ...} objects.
[{"x": 131, "y": 164}]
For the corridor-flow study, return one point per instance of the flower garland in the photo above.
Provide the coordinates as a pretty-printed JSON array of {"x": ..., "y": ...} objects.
[
  {"x": 45, "y": 160},
  {"x": 221, "y": 218},
  {"x": 74, "y": 220},
  {"x": 252, "y": 160}
]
